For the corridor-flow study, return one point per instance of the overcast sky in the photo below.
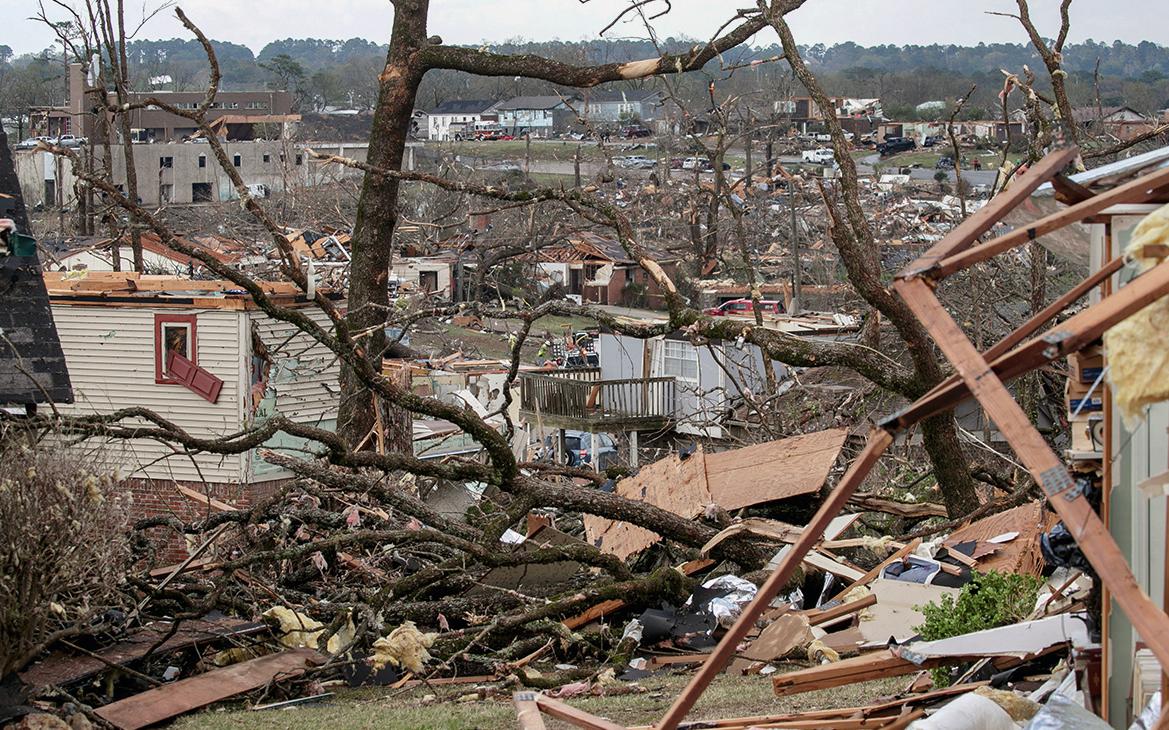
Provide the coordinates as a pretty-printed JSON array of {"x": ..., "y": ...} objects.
[{"x": 866, "y": 22}]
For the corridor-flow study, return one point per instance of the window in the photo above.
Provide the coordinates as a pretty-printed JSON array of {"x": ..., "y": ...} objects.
[
  {"x": 299, "y": 159},
  {"x": 166, "y": 162},
  {"x": 267, "y": 157},
  {"x": 236, "y": 160},
  {"x": 202, "y": 160},
  {"x": 679, "y": 359},
  {"x": 173, "y": 334},
  {"x": 166, "y": 193}
]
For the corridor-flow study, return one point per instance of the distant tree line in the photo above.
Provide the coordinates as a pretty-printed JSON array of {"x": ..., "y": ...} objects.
[{"x": 333, "y": 73}]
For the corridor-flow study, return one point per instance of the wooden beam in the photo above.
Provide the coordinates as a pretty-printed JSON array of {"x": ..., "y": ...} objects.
[
  {"x": 1140, "y": 190},
  {"x": 573, "y": 716},
  {"x": 1068, "y": 191},
  {"x": 1048, "y": 470},
  {"x": 983, "y": 219},
  {"x": 527, "y": 711},
  {"x": 879, "y": 440},
  {"x": 818, "y": 618}
]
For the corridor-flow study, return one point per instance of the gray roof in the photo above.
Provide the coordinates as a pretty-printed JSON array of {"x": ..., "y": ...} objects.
[
  {"x": 623, "y": 95},
  {"x": 32, "y": 365},
  {"x": 463, "y": 106},
  {"x": 531, "y": 102}
]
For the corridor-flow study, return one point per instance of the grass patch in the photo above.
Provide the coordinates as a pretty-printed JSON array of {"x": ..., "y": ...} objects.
[{"x": 440, "y": 709}]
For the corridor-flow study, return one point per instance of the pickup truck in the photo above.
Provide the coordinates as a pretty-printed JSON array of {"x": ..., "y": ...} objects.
[
  {"x": 744, "y": 308},
  {"x": 818, "y": 157},
  {"x": 893, "y": 145}
]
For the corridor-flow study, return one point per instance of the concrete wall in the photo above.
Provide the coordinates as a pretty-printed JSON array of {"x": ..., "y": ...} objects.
[{"x": 273, "y": 164}]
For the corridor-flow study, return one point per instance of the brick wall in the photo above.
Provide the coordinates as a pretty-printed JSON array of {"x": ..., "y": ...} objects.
[{"x": 157, "y": 497}]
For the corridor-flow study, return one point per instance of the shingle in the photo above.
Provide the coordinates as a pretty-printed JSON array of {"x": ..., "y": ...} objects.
[{"x": 30, "y": 346}]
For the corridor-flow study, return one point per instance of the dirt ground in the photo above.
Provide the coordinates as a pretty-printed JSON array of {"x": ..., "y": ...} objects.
[{"x": 460, "y": 708}]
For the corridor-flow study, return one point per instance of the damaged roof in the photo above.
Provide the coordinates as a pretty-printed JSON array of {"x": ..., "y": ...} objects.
[{"x": 32, "y": 365}]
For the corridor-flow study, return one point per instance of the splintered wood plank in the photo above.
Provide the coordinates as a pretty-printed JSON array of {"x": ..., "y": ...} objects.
[
  {"x": 171, "y": 700},
  {"x": 877, "y": 665},
  {"x": 1048, "y": 470},
  {"x": 1019, "y": 555},
  {"x": 879, "y": 440},
  {"x": 983, "y": 219},
  {"x": 780, "y": 637},
  {"x": 773, "y": 470},
  {"x": 572, "y": 715},
  {"x": 1140, "y": 190},
  {"x": 527, "y": 711}
]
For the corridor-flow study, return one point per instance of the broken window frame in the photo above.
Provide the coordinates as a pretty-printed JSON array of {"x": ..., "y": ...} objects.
[{"x": 163, "y": 323}]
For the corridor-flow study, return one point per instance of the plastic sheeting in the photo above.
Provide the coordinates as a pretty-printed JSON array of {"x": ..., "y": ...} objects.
[
  {"x": 968, "y": 712},
  {"x": 1064, "y": 713}
]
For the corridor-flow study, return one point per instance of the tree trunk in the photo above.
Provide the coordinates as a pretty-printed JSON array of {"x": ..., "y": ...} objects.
[{"x": 377, "y": 214}]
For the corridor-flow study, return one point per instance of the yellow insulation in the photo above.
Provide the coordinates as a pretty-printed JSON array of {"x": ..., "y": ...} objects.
[{"x": 1138, "y": 347}]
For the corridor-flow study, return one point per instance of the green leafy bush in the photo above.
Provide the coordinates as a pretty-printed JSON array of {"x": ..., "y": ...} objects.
[{"x": 988, "y": 600}]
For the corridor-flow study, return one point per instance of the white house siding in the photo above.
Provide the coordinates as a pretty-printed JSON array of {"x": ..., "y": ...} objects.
[
  {"x": 110, "y": 354},
  {"x": 304, "y": 373},
  {"x": 302, "y": 385}
]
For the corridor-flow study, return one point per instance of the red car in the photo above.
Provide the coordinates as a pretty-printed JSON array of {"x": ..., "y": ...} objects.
[{"x": 744, "y": 308}]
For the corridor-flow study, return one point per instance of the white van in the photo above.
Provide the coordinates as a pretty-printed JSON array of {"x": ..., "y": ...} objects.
[{"x": 819, "y": 157}]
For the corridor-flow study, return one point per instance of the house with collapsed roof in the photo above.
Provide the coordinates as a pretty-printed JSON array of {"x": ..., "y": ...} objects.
[
  {"x": 202, "y": 355},
  {"x": 1121, "y": 122},
  {"x": 598, "y": 270},
  {"x": 157, "y": 258}
]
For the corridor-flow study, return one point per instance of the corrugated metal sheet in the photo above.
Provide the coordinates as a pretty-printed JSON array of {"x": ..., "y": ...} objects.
[{"x": 110, "y": 355}]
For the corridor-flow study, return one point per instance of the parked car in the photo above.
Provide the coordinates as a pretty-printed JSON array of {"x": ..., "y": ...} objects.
[
  {"x": 932, "y": 140},
  {"x": 744, "y": 308},
  {"x": 945, "y": 163},
  {"x": 578, "y": 446},
  {"x": 32, "y": 142},
  {"x": 818, "y": 157},
  {"x": 696, "y": 163},
  {"x": 635, "y": 132},
  {"x": 676, "y": 163},
  {"x": 634, "y": 161},
  {"x": 69, "y": 140},
  {"x": 893, "y": 145}
]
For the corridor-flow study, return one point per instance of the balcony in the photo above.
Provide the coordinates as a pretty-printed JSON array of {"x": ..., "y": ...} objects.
[{"x": 579, "y": 400}]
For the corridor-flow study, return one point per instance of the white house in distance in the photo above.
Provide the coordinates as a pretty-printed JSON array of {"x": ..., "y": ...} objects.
[
  {"x": 532, "y": 115},
  {"x": 620, "y": 105},
  {"x": 456, "y": 112}
]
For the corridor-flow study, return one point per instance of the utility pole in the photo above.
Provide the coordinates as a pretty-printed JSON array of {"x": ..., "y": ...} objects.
[{"x": 795, "y": 307}]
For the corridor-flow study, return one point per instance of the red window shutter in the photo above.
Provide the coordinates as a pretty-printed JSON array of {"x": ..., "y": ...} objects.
[{"x": 194, "y": 378}]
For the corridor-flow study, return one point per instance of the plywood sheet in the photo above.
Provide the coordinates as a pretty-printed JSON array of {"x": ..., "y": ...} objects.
[
  {"x": 171, "y": 700},
  {"x": 672, "y": 483},
  {"x": 1019, "y": 555},
  {"x": 773, "y": 470}
]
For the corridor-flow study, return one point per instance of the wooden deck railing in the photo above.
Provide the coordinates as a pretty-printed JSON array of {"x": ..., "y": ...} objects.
[{"x": 575, "y": 397}]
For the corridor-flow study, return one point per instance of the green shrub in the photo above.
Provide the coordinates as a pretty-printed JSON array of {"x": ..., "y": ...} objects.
[{"x": 988, "y": 600}]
